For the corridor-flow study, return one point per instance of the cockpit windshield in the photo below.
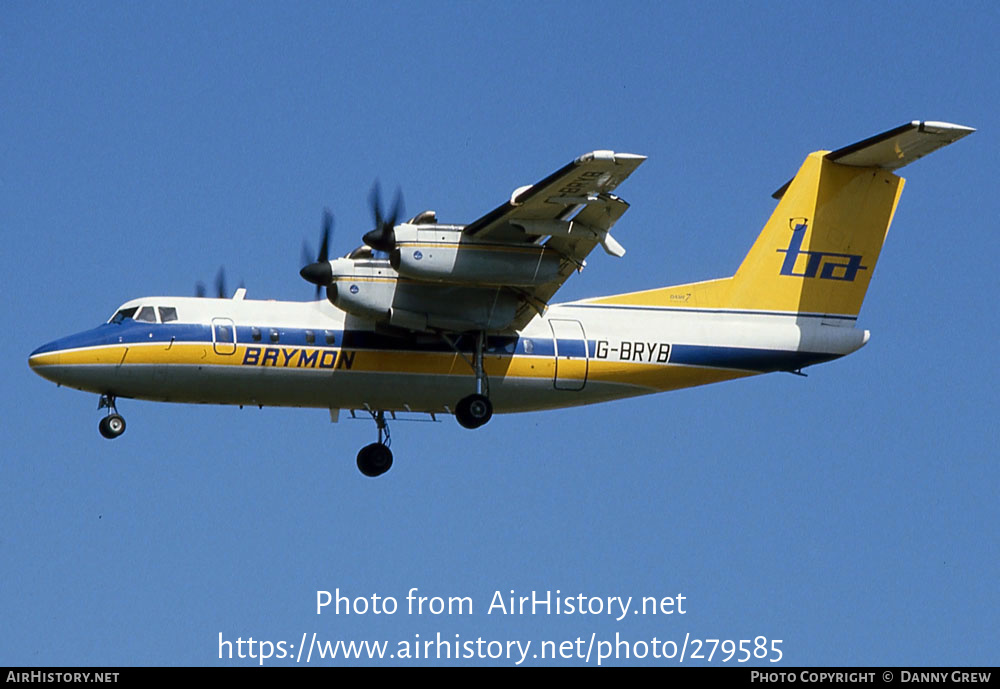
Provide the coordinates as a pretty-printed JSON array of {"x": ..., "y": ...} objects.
[
  {"x": 123, "y": 314},
  {"x": 145, "y": 314}
]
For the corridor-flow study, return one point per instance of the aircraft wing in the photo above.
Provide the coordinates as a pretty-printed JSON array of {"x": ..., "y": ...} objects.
[
  {"x": 570, "y": 211},
  {"x": 581, "y": 182}
]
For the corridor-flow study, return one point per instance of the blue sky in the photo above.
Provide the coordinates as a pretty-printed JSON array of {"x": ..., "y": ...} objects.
[{"x": 852, "y": 514}]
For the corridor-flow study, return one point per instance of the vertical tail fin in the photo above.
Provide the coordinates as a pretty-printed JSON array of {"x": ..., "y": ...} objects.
[{"x": 817, "y": 252}]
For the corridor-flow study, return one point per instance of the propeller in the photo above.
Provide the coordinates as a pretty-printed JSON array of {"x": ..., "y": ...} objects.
[
  {"x": 220, "y": 286},
  {"x": 319, "y": 272},
  {"x": 383, "y": 238}
]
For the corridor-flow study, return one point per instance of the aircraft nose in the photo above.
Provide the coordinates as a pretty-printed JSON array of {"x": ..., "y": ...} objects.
[
  {"x": 52, "y": 359},
  {"x": 46, "y": 355},
  {"x": 85, "y": 360}
]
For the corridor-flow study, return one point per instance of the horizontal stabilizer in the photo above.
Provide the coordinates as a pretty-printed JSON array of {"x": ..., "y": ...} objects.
[
  {"x": 897, "y": 147},
  {"x": 900, "y": 146}
]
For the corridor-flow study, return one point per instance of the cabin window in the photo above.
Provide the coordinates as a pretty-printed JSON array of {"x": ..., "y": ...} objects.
[
  {"x": 274, "y": 335},
  {"x": 167, "y": 314},
  {"x": 330, "y": 337},
  {"x": 310, "y": 337},
  {"x": 124, "y": 314},
  {"x": 255, "y": 333},
  {"x": 146, "y": 315}
]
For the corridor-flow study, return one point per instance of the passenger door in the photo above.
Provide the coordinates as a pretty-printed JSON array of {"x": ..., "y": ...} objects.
[
  {"x": 572, "y": 354},
  {"x": 223, "y": 336}
]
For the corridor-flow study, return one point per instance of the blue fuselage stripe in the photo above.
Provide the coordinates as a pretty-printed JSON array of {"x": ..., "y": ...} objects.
[{"x": 743, "y": 358}]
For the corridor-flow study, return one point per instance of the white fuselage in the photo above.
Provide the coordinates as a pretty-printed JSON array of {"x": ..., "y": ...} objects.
[{"x": 311, "y": 354}]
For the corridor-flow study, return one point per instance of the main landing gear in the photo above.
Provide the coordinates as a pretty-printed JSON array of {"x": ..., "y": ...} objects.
[
  {"x": 112, "y": 425},
  {"x": 473, "y": 411},
  {"x": 376, "y": 459}
]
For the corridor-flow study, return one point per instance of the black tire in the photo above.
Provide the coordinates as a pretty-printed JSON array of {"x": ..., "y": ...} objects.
[
  {"x": 374, "y": 460},
  {"x": 111, "y": 426},
  {"x": 474, "y": 411}
]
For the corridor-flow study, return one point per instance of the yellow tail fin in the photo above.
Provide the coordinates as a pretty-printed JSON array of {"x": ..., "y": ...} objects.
[{"x": 818, "y": 251}]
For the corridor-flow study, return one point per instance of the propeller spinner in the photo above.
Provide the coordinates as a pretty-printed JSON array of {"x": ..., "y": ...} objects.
[
  {"x": 383, "y": 238},
  {"x": 319, "y": 273}
]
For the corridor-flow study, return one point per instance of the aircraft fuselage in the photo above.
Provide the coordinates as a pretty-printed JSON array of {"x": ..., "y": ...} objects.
[{"x": 310, "y": 354}]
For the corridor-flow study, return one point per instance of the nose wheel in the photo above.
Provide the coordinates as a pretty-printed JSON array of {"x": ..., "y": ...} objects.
[
  {"x": 376, "y": 459},
  {"x": 112, "y": 425}
]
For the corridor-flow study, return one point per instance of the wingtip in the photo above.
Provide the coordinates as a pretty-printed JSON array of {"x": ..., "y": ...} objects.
[
  {"x": 959, "y": 130},
  {"x": 611, "y": 156}
]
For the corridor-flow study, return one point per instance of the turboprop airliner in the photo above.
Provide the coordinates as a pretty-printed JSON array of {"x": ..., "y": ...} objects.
[{"x": 436, "y": 319}]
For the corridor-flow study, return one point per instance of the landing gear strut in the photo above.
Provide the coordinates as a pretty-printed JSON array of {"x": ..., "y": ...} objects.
[
  {"x": 376, "y": 459},
  {"x": 473, "y": 411},
  {"x": 112, "y": 425}
]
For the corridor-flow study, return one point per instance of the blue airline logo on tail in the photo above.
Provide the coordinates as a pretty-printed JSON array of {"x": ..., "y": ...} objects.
[{"x": 825, "y": 265}]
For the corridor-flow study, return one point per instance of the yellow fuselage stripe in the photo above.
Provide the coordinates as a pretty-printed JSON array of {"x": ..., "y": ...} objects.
[{"x": 651, "y": 376}]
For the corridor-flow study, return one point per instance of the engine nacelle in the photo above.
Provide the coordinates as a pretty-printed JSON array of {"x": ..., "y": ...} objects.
[
  {"x": 480, "y": 263},
  {"x": 374, "y": 292}
]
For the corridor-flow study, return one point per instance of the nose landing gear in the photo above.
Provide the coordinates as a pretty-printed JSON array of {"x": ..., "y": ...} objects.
[
  {"x": 112, "y": 425},
  {"x": 376, "y": 459}
]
